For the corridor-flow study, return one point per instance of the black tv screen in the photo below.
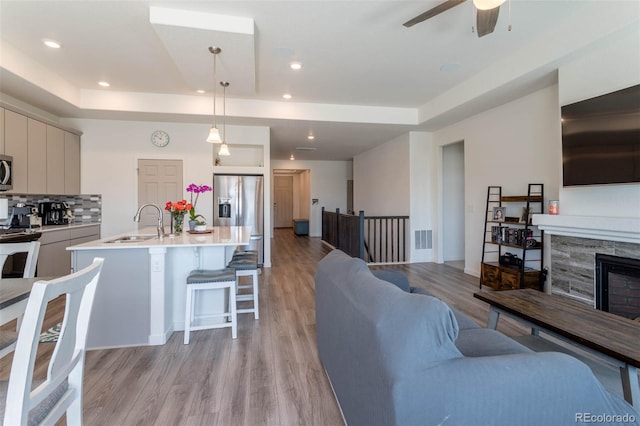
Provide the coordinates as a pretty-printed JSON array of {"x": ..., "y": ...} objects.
[{"x": 601, "y": 139}]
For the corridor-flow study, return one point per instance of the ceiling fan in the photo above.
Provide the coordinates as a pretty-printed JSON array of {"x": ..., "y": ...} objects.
[{"x": 486, "y": 14}]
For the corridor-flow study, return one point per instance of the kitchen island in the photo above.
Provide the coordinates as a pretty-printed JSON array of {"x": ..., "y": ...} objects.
[{"x": 140, "y": 299}]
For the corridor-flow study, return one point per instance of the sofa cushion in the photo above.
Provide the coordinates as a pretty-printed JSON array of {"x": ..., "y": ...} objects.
[
  {"x": 395, "y": 277},
  {"x": 477, "y": 342}
]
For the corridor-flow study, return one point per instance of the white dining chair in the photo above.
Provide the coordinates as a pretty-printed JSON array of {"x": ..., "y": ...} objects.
[
  {"x": 31, "y": 248},
  {"x": 28, "y": 402},
  {"x": 8, "y": 338}
]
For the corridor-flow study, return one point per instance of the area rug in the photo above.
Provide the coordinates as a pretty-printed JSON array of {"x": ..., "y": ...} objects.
[{"x": 51, "y": 335}]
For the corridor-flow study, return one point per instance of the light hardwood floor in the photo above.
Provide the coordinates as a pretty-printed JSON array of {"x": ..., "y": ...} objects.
[{"x": 269, "y": 375}]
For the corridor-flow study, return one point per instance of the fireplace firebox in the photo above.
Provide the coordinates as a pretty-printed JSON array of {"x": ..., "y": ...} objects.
[{"x": 618, "y": 285}]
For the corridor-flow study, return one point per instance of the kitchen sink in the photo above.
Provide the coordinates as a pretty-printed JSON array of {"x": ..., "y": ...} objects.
[{"x": 132, "y": 238}]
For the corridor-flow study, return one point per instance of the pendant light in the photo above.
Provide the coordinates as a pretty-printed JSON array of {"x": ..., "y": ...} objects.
[
  {"x": 214, "y": 133},
  {"x": 224, "y": 148}
]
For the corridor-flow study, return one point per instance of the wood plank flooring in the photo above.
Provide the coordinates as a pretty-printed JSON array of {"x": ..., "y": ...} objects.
[{"x": 269, "y": 375}]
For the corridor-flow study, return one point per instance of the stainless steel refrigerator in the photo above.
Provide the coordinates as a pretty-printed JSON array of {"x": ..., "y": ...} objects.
[{"x": 238, "y": 200}]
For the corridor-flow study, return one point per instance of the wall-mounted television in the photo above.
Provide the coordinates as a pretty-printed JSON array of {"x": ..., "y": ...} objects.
[{"x": 601, "y": 139}]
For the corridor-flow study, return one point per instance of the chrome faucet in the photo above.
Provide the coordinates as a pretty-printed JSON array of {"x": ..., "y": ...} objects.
[{"x": 160, "y": 219}]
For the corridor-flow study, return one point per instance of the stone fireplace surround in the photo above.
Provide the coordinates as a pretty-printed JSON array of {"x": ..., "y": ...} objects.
[{"x": 575, "y": 240}]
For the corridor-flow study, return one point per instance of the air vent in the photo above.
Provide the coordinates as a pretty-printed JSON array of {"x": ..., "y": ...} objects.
[
  {"x": 305, "y": 148},
  {"x": 423, "y": 239}
]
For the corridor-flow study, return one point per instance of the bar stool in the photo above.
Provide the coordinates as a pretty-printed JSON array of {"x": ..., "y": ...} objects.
[
  {"x": 246, "y": 264},
  {"x": 210, "y": 279}
]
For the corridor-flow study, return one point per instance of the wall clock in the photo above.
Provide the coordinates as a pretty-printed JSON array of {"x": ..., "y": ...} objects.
[{"x": 160, "y": 138}]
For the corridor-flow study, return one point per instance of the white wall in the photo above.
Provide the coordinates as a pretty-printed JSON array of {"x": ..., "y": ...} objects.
[
  {"x": 110, "y": 151},
  {"x": 381, "y": 179},
  {"x": 511, "y": 145},
  {"x": 610, "y": 67},
  {"x": 327, "y": 183}
]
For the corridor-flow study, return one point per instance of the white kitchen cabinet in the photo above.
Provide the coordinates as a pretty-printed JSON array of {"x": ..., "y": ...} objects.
[
  {"x": 54, "y": 260},
  {"x": 55, "y": 160},
  {"x": 37, "y": 158},
  {"x": 71, "y": 163},
  {"x": 15, "y": 140}
]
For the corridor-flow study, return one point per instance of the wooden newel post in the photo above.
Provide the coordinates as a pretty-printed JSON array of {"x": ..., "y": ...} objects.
[
  {"x": 337, "y": 228},
  {"x": 361, "y": 235}
]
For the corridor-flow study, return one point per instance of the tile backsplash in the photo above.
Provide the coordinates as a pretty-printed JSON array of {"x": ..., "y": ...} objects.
[{"x": 86, "y": 208}]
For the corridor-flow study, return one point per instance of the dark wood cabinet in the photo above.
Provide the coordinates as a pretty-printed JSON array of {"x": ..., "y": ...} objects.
[{"x": 512, "y": 249}]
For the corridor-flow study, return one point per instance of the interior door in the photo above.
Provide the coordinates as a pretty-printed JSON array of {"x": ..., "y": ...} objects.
[
  {"x": 159, "y": 181},
  {"x": 283, "y": 201}
]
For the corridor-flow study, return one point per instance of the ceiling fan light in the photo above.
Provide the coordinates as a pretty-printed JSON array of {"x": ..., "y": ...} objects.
[
  {"x": 214, "y": 135},
  {"x": 224, "y": 149},
  {"x": 487, "y": 4}
]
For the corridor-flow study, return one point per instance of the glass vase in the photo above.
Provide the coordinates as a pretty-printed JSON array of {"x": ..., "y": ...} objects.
[{"x": 178, "y": 221}]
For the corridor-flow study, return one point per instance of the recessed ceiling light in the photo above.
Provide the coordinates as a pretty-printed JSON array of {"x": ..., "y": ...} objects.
[
  {"x": 51, "y": 43},
  {"x": 287, "y": 96},
  {"x": 200, "y": 91},
  {"x": 295, "y": 65},
  {"x": 104, "y": 84},
  {"x": 292, "y": 157},
  {"x": 311, "y": 137}
]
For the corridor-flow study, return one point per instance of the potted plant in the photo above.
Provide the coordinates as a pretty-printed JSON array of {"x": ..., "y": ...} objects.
[
  {"x": 197, "y": 222},
  {"x": 200, "y": 225}
]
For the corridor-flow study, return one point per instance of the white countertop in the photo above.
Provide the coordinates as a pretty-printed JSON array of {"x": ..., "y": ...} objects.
[
  {"x": 49, "y": 228},
  {"x": 219, "y": 236},
  {"x": 52, "y": 228}
]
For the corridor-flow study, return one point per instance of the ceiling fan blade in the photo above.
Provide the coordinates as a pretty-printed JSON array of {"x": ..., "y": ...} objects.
[
  {"x": 486, "y": 20},
  {"x": 433, "y": 12}
]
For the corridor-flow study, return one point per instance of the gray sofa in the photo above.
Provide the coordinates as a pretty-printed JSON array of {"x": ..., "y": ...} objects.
[{"x": 397, "y": 357}]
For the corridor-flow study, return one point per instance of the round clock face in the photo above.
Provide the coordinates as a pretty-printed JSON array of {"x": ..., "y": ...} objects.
[{"x": 160, "y": 138}]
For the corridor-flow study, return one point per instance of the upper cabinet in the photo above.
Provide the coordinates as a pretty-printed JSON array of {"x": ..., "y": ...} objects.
[
  {"x": 37, "y": 157},
  {"x": 15, "y": 144},
  {"x": 55, "y": 160},
  {"x": 71, "y": 163},
  {"x": 46, "y": 158},
  {"x": 1, "y": 130}
]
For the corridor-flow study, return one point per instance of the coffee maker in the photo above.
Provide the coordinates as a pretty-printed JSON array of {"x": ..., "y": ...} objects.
[
  {"x": 21, "y": 216},
  {"x": 52, "y": 213}
]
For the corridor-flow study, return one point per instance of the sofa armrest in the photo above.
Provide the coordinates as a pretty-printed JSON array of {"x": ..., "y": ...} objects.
[
  {"x": 464, "y": 322},
  {"x": 523, "y": 389},
  {"x": 393, "y": 276}
]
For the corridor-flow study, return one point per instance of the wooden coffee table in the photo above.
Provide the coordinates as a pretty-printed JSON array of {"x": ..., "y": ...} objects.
[{"x": 607, "y": 335}]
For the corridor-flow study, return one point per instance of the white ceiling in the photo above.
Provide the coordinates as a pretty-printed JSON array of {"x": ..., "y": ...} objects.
[{"x": 365, "y": 80}]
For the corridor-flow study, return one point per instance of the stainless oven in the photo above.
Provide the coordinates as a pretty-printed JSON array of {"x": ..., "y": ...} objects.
[{"x": 6, "y": 178}]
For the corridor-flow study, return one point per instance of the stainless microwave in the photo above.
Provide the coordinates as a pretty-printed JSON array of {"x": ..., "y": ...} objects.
[{"x": 6, "y": 174}]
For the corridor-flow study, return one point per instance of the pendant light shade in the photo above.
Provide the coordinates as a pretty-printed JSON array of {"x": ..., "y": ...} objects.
[
  {"x": 487, "y": 4},
  {"x": 214, "y": 134},
  {"x": 224, "y": 148}
]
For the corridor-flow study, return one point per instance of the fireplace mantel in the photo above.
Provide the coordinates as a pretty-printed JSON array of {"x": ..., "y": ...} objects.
[{"x": 624, "y": 229}]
